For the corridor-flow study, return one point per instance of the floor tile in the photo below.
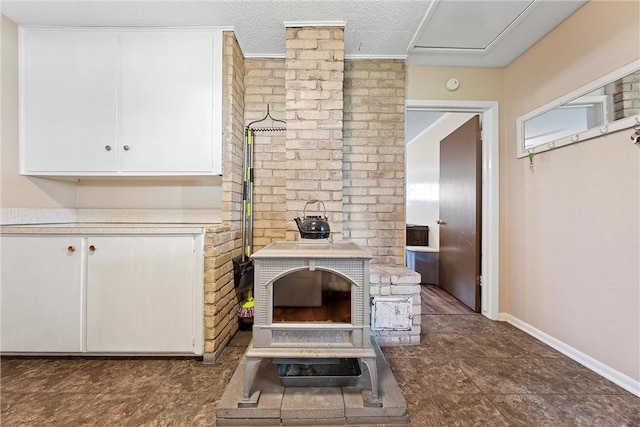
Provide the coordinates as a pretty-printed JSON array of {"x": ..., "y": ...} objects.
[
  {"x": 423, "y": 411},
  {"x": 467, "y": 410},
  {"x": 117, "y": 376},
  {"x": 569, "y": 410},
  {"x": 598, "y": 410},
  {"x": 37, "y": 375},
  {"x": 171, "y": 409},
  {"x": 534, "y": 376},
  {"x": 431, "y": 376},
  {"x": 527, "y": 410},
  {"x": 193, "y": 376},
  {"x": 453, "y": 410},
  {"x": 472, "y": 324},
  {"x": 467, "y": 371},
  {"x": 44, "y": 409},
  {"x": 530, "y": 345}
]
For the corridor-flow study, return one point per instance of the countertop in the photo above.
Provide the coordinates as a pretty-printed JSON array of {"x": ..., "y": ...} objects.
[{"x": 109, "y": 228}]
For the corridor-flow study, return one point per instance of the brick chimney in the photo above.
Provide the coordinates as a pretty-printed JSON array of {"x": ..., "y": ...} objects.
[{"x": 314, "y": 85}]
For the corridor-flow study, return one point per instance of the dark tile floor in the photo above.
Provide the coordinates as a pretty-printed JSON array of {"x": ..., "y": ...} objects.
[{"x": 467, "y": 371}]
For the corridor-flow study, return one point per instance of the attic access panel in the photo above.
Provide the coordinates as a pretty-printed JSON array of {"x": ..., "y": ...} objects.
[{"x": 468, "y": 25}]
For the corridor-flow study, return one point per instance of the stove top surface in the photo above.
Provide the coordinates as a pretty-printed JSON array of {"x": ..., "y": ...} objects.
[{"x": 312, "y": 248}]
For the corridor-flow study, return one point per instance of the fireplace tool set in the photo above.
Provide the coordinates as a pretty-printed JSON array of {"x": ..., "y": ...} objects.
[{"x": 243, "y": 265}]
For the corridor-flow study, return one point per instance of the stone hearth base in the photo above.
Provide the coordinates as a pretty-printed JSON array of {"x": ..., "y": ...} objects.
[{"x": 279, "y": 405}]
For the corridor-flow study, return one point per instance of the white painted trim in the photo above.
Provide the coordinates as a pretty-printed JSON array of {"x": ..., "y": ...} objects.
[
  {"x": 355, "y": 57},
  {"x": 616, "y": 377},
  {"x": 314, "y": 23},
  {"x": 427, "y": 16},
  {"x": 198, "y": 294},
  {"x": 127, "y": 29},
  {"x": 264, "y": 55},
  {"x": 490, "y": 263},
  {"x": 217, "y": 125},
  {"x": 358, "y": 56}
]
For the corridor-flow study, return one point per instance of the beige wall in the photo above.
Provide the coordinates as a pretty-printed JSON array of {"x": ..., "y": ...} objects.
[
  {"x": 476, "y": 84},
  {"x": 17, "y": 191},
  {"x": 28, "y": 192},
  {"x": 570, "y": 235},
  {"x": 569, "y": 262},
  {"x": 158, "y": 193}
]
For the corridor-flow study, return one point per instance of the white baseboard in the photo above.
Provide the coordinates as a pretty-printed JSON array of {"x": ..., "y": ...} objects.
[{"x": 618, "y": 378}]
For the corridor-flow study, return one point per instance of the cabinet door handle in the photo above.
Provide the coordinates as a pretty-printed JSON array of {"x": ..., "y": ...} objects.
[
  {"x": 126, "y": 148},
  {"x": 92, "y": 248},
  {"x": 71, "y": 249},
  {"x": 107, "y": 147}
]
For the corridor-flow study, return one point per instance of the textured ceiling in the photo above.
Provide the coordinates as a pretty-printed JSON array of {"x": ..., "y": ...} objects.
[
  {"x": 417, "y": 121},
  {"x": 373, "y": 28}
]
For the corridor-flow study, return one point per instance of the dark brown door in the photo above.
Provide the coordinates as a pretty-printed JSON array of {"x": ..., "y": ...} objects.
[{"x": 460, "y": 213}]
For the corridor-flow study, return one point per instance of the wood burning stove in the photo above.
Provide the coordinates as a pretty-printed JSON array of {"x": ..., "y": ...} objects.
[{"x": 311, "y": 302}]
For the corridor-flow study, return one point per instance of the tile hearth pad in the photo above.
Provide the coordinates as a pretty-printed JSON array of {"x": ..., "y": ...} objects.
[{"x": 280, "y": 405}]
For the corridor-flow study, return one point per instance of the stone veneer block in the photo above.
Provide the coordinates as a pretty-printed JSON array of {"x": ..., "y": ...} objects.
[
  {"x": 401, "y": 282},
  {"x": 314, "y": 422},
  {"x": 247, "y": 422},
  {"x": 271, "y": 395},
  {"x": 393, "y": 403},
  {"x": 312, "y": 403}
]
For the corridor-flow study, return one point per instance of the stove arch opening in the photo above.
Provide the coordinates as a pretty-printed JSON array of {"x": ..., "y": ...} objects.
[{"x": 313, "y": 295}]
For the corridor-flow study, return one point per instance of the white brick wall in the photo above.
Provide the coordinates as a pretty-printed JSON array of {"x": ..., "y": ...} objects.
[
  {"x": 374, "y": 201},
  {"x": 314, "y": 103}
]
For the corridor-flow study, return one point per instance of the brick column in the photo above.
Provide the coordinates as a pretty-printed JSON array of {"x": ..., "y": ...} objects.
[
  {"x": 223, "y": 243},
  {"x": 314, "y": 103}
]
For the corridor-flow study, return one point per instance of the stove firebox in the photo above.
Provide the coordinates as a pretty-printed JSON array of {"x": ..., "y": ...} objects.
[{"x": 311, "y": 302}]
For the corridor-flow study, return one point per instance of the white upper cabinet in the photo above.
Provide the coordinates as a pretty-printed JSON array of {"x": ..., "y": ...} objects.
[
  {"x": 69, "y": 101},
  {"x": 167, "y": 100},
  {"x": 119, "y": 102}
]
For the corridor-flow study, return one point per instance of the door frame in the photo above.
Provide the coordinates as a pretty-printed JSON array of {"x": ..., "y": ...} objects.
[{"x": 490, "y": 246}]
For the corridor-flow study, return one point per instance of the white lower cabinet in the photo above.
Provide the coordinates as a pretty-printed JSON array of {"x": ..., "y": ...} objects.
[
  {"x": 140, "y": 294},
  {"x": 41, "y": 294},
  {"x": 102, "y": 294}
]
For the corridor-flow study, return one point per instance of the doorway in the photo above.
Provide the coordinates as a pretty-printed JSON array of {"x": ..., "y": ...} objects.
[{"x": 488, "y": 110}]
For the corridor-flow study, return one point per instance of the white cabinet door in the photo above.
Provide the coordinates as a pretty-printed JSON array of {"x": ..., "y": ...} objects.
[
  {"x": 41, "y": 294},
  {"x": 69, "y": 92},
  {"x": 140, "y": 294},
  {"x": 167, "y": 101},
  {"x": 124, "y": 102}
]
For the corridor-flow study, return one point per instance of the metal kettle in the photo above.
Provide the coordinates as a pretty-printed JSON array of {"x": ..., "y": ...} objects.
[{"x": 313, "y": 226}]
